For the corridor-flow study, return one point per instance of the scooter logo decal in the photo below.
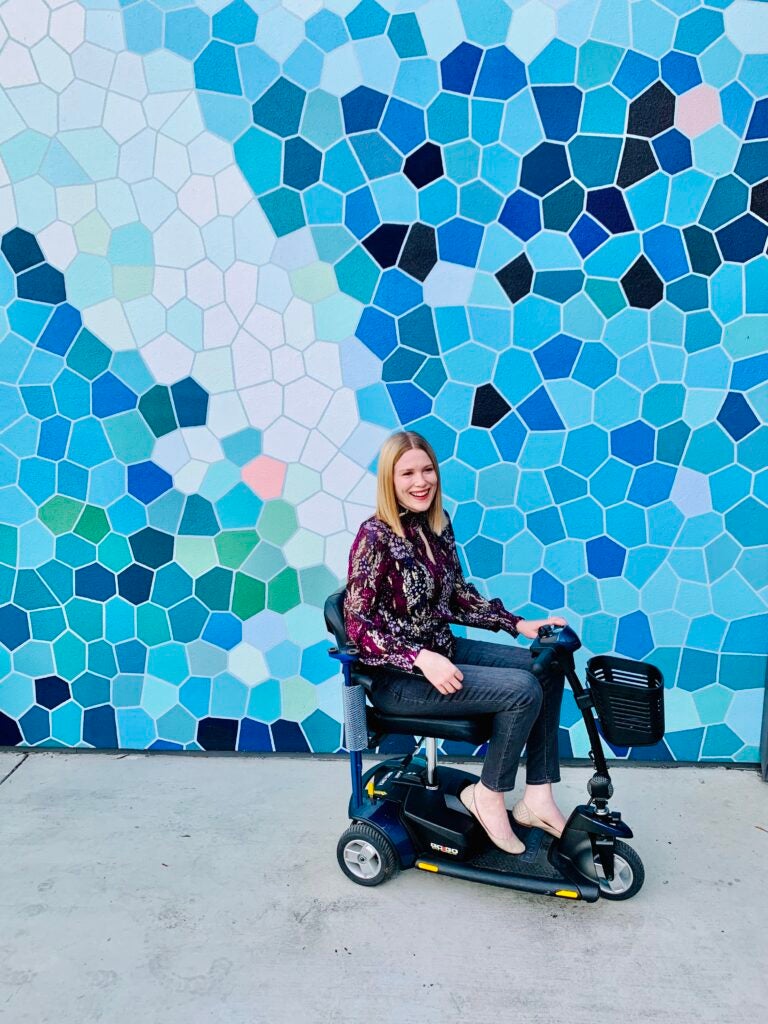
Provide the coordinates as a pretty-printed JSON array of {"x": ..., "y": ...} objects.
[{"x": 444, "y": 849}]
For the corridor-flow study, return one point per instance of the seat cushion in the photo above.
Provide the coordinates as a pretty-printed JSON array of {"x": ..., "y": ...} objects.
[{"x": 469, "y": 730}]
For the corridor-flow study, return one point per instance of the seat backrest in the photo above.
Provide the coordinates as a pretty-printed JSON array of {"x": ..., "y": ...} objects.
[{"x": 334, "y": 616}]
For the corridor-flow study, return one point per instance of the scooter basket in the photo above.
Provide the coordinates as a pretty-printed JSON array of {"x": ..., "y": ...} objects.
[{"x": 629, "y": 700}]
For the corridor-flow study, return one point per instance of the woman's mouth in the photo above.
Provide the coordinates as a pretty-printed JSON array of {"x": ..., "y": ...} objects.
[{"x": 420, "y": 495}]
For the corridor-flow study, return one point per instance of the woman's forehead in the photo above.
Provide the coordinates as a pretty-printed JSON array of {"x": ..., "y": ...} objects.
[{"x": 412, "y": 459}]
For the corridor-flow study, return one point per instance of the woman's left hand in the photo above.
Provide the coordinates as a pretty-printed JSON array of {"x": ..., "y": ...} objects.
[{"x": 530, "y": 627}]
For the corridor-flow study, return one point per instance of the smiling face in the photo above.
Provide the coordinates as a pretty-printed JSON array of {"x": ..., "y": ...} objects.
[{"x": 415, "y": 480}]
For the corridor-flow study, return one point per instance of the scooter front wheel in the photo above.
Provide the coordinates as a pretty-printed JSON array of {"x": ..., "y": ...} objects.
[
  {"x": 628, "y": 874},
  {"x": 365, "y": 855}
]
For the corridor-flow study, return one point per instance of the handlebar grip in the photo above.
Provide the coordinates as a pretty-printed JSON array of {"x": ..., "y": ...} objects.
[{"x": 541, "y": 661}]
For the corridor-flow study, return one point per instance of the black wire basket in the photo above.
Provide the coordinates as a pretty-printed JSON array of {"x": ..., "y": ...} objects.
[{"x": 629, "y": 700}]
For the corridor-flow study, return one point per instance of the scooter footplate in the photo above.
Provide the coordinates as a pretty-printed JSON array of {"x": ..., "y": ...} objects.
[{"x": 533, "y": 863}]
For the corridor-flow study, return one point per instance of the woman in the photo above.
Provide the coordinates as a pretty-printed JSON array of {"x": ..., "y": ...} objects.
[{"x": 405, "y": 585}]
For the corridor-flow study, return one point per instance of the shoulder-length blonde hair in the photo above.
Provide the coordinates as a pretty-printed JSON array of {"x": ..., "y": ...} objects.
[{"x": 387, "y": 506}]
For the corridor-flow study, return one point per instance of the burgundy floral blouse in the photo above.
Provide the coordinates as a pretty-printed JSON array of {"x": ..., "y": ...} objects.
[{"x": 399, "y": 601}]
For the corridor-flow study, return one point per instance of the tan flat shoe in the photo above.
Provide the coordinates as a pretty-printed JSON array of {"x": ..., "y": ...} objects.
[
  {"x": 513, "y": 845},
  {"x": 523, "y": 815}
]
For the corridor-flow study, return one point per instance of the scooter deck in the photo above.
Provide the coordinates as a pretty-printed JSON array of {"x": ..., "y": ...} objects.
[{"x": 534, "y": 863}]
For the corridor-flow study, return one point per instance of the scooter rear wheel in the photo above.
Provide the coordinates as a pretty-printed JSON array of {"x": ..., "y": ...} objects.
[
  {"x": 628, "y": 874},
  {"x": 365, "y": 855}
]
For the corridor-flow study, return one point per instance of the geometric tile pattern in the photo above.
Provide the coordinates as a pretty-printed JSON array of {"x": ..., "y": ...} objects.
[{"x": 243, "y": 241}]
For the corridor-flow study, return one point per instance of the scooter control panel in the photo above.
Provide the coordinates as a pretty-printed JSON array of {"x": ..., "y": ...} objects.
[{"x": 557, "y": 636}]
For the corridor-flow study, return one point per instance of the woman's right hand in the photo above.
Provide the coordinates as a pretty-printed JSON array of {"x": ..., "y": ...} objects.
[{"x": 439, "y": 670}]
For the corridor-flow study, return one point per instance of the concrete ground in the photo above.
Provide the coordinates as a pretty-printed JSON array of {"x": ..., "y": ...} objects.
[{"x": 172, "y": 889}]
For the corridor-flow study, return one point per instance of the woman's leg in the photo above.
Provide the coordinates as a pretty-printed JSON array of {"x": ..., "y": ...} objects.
[
  {"x": 542, "y": 755},
  {"x": 498, "y": 682}
]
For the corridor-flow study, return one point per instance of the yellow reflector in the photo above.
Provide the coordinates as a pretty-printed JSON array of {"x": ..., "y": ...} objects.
[
  {"x": 425, "y": 866},
  {"x": 568, "y": 893},
  {"x": 369, "y": 788}
]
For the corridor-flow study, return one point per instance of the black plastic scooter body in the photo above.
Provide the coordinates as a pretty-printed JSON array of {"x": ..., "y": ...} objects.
[{"x": 432, "y": 831}]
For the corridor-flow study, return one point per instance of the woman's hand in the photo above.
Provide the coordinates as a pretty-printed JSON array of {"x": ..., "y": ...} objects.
[
  {"x": 439, "y": 670},
  {"x": 530, "y": 627}
]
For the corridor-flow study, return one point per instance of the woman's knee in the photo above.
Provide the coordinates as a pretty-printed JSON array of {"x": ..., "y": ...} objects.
[{"x": 528, "y": 693}]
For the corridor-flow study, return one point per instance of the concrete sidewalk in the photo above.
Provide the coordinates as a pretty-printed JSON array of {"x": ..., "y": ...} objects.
[{"x": 168, "y": 889}]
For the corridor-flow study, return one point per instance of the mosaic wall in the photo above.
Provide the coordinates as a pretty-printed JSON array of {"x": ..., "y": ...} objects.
[{"x": 243, "y": 241}]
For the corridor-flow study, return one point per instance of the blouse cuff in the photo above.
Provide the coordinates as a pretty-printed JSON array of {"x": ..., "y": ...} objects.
[
  {"x": 508, "y": 622},
  {"x": 405, "y": 656}
]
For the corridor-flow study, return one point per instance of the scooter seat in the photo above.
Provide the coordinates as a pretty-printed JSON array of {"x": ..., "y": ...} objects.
[{"x": 469, "y": 730}]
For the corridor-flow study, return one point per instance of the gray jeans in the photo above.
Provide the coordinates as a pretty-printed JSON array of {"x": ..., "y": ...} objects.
[{"x": 497, "y": 681}]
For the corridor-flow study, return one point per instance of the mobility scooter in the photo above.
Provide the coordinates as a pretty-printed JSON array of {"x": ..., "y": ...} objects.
[{"x": 405, "y": 812}]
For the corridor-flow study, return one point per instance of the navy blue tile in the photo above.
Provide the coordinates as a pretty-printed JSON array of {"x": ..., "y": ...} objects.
[
  {"x": 21, "y": 250},
  {"x": 151, "y": 547},
  {"x": 134, "y": 584},
  {"x": 424, "y": 165},
  {"x": 10, "y": 733},
  {"x": 50, "y": 691},
  {"x": 608, "y": 206},
  {"x": 742, "y": 239},
  {"x": 287, "y": 736},
  {"x": 42, "y": 284},
  {"x": 362, "y": 109},
  {"x": 385, "y": 243},
  {"x": 190, "y": 401},
  {"x": 544, "y": 168},
  {"x": 217, "y": 733},
  {"x": 737, "y": 416},
  {"x": 458, "y": 69},
  {"x": 99, "y": 728}
]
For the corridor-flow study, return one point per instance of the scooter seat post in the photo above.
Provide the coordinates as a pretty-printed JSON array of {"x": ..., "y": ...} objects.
[{"x": 431, "y": 749}]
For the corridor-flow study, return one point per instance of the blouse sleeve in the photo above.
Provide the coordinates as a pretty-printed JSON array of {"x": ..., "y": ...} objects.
[
  {"x": 468, "y": 606},
  {"x": 369, "y": 569}
]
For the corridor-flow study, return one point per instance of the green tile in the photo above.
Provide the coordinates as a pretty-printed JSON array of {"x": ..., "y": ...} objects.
[
  {"x": 60, "y": 514},
  {"x": 234, "y": 546},
  {"x": 93, "y": 524}
]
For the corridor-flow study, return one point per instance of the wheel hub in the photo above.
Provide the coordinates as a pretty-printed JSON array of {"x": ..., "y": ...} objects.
[{"x": 362, "y": 859}]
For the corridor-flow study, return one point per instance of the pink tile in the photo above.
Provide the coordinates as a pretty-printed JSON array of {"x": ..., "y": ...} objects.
[
  {"x": 698, "y": 110},
  {"x": 265, "y": 476}
]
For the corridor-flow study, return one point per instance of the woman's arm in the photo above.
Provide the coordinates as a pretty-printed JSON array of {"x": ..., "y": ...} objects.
[
  {"x": 370, "y": 571},
  {"x": 468, "y": 606}
]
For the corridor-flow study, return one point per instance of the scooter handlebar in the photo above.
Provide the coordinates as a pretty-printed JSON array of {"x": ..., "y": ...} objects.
[{"x": 541, "y": 660}]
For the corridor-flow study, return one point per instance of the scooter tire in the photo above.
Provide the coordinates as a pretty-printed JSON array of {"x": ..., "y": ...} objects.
[
  {"x": 628, "y": 874},
  {"x": 365, "y": 855}
]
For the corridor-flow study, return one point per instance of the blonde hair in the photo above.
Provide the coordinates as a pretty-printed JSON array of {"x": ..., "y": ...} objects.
[{"x": 387, "y": 505}]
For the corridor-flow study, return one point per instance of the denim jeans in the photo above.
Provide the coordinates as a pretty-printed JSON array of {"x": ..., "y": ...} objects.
[{"x": 497, "y": 681}]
